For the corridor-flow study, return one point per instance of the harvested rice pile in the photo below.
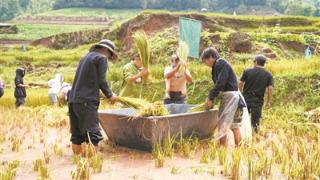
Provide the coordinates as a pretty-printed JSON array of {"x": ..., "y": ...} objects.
[
  {"x": 199, "y": 108},
  {"x": 143, "y": 107},
  {"x": 155, "y": 109},
  {"x": 134, "y": 103},
  {"x": 314, "y": 115}
]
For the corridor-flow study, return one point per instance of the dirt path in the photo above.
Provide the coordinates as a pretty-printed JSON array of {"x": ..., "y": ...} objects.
[
  {"x": 119, "y": 163},
  {"x": 64, "y": 20},
  {"x": 45, "y": 130},
  {"x": 13, "y": 42}
]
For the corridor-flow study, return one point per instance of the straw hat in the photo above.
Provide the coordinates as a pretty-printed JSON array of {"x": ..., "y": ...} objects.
[{"x": 106, "y": 43}]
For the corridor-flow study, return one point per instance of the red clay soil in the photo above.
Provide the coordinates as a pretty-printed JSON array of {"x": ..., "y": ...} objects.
[
  {"x": 240, "y": 42},
  {"x": 152, "y": 23},
  {"x": 293, "y": 45},
  {"x": 157, "y": 22}
]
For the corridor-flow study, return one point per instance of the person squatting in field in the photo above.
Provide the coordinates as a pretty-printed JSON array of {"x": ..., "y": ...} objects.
[
  {"x": 84, "y": 97},
  {"x": 55, "y": 86}
]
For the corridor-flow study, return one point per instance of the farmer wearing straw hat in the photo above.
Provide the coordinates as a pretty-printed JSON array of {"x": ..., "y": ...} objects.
[
  {"x": 133, "y": 73},
  {"x": 84, "y": 97},
  {"x": 176, "y": 82},
  {"x": 232, "y": 101}
]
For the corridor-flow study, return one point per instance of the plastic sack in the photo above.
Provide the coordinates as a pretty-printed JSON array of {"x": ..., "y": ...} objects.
[{"x": 246, "y": 128}]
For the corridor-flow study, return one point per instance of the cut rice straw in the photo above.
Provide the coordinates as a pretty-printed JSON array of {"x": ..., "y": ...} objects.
[
  {"x": 155, "y": 109},
  {"x": 143, "y": 47},
  {"x": 199, "y": 108},
  {"x": 134, "y": 102},
  {"x": 182, "y": 53}
]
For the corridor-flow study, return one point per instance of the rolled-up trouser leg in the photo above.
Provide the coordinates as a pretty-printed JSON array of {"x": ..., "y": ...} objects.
[
  {"x": 84, "y": 123},
  {"x": 53, "y": 99},
  {"x": 228, "y": 108},
  {"x": 20, "y": 101},
  {"x": 255, "y": 110}
]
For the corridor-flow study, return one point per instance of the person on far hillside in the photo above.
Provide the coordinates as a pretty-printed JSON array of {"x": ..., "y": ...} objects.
[
  {"x": 64, "y": 93},
  {"x": 253, "y": 84},
  {"x": 55, "y": 86},
  {"x": 1, "y": 88},
  {"x": 176, "y": 82},
  {"x": 20, "y": 88},
  {"x": 133, "y": 74}
]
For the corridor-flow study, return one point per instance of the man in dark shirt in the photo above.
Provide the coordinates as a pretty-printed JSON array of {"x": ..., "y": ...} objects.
[
  {"x": 20, "y": 88},
  {"x": 1, "y": 88},
  {"x": 84, "y": 96},
  {"x": 253, "y": 84},
  {"x": 225, "y": 81}
]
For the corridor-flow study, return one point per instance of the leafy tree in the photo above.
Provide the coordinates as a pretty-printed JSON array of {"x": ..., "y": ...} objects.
[
  {"x": 279, "y": 6},
  {"x": 308, "y": 10},
  {"x": 255, "y": 2},
  {"x": 9, "y": 9},
  {"x": 300, "y": 8},
  {"x": 38, "y": 6},
  {"x": 24, "y": 3}
]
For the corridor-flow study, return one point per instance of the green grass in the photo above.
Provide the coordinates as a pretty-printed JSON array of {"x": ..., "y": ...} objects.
[
  {"x": 37, "y": 31},
  {"x": 44, "y": 61},
  {"x": 292, "y": 29},
  {"x": 92, "y": 12}
]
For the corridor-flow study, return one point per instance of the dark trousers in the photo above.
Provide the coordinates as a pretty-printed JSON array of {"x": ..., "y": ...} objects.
[
  {"x": 255, "y": 109},
  {"x": 84, "y": 123},
  {"x": 20, "y": 101},
  {"x": 175, "y": 98},
  {"x": 1, "y": 92}
]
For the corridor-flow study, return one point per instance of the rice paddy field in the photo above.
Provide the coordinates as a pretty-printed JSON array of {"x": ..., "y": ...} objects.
[
  {"x": 35, "y": 140},
  {"x": 92, "y": 12},
  {"x": 37, "y": 31},
  {"x": 36, "y": 26}
]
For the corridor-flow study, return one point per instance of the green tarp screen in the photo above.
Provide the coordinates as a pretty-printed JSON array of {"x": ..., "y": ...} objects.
[{"x": 190, "y": 30}]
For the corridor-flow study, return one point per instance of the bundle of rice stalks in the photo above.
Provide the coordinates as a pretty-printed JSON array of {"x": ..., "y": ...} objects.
[
  {"x": 314, "y": 115},
  {"x": 199, "y": 108},
  {"x": 182, "y": 53},
  {"x": 143, "y": 48},
  {"x": 134, "y": 102},
  {"x": 82, "y": 170},
  {"x": 155, "y": 109}
]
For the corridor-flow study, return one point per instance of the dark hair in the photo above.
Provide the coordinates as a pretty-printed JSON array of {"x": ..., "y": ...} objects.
[
  {"x": 210, "y": 52},
  {"x": 175, "y": 58},
  {"x": 136, "y": 55},
  {"x": 260, "y": 60},
  {"x": 95, "y": 48}
]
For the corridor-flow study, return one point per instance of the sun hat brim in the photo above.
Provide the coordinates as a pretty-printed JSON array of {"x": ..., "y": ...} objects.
[{"x": 114, "y": 54}]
